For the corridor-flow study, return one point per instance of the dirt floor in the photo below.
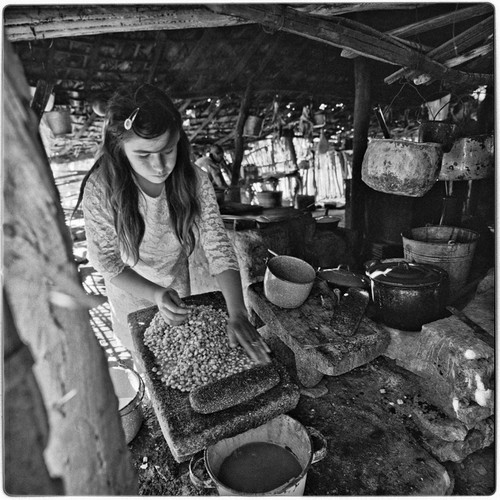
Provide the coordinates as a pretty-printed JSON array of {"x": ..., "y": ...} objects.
[{"x": 373, "y": 450}]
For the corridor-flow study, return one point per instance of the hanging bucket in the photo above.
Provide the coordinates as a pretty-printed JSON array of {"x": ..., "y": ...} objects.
[
  {"x": 253, "y": 126},
  {"x": 269, "y": 199},
  {"x": 451, "y": 248},
  {"x": 469, "y": 159},
  {"x": 401, "y": 167},
  {"x": 440, "y": 132},
  {"x": 59, "y": 121},
  {"x": 129, "y": 389},
  {"x": 285, "y": 432}
]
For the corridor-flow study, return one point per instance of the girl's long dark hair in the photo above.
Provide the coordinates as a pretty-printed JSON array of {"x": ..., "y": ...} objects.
[{"x": 155, "y": 114}]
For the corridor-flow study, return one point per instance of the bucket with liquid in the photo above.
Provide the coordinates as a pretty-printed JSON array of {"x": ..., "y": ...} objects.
[
  {"x": 129, "y": 389},
  {"x": 272, "y": 459}
]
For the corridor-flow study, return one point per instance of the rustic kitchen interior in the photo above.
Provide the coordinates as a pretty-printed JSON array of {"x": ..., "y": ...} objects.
[{"x": 359, "y": 144}]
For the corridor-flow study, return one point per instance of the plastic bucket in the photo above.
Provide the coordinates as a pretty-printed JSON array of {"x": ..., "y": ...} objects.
[
  {"x": 129, "y": 389},
  {"x": 283, "y": 431},
  {"x": 451, "y": 248}
]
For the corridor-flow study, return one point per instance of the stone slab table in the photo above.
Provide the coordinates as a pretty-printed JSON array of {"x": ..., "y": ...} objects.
[
  {"x": 186, "y": 431},
  {"x": 305, "y": 330}
]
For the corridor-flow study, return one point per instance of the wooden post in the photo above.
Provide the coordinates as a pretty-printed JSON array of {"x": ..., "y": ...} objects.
[
  {"x": 362, "y": 109},
  {"x": 26, "y": 426},
  {"x": 41, "y": 97},
  {"x": 86, "y": 446},
  {"x": 239, "y": 142}
]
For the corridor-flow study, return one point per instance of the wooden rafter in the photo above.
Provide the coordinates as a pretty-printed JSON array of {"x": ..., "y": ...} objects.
[
  {"x": 159, "y": 48},
  {"x": 214, "y": 110},
  {"x": 328, "y": 10},
  {"x": 30, "y": 22},
  {"x": 431, "y": 24},
  {"x": 451, "y": 48},
  {"x": 344, "y": 33}
]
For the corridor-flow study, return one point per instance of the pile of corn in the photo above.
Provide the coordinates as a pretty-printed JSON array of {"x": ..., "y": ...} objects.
[{"x": 194, "y": 353}]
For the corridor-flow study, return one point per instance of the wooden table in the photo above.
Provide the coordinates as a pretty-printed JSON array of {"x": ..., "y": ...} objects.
[{"x": 318, "y": 351}]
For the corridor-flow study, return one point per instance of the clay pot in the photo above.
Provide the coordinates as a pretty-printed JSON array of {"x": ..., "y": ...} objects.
[
  {"x": 404, "y": 168},
  {"x": 470, "y": 158}
]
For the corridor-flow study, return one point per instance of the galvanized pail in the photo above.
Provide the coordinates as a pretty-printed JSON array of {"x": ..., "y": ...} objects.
[{"x": 451, "y": 248}]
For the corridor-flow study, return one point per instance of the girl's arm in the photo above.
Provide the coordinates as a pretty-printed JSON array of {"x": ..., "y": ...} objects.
[
  {"x": 240, "y": 330},
  {"x": 171, "y": 307}
]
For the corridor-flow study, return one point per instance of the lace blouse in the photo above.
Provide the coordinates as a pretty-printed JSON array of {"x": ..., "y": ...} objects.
[{"x": 162, "y": 259}]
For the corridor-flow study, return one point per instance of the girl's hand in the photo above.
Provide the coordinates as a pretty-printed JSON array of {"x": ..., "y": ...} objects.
[
  {"x": 242, "y": 332},
  {"x": 171, "y": 307}
]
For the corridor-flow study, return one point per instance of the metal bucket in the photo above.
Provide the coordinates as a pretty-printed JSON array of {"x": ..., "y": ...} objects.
[
  {"x": 253, "y": 126},
  {"x": 451, "y": 248},
  {"x": 269, "y": 199},
  {"x": 59, "y": 122},
  {"x": 399, "y": 167},
  {"x": 469, "y": 159},
  {"x": 129, "y": 389},
  {"x": 283, "y": 431}
]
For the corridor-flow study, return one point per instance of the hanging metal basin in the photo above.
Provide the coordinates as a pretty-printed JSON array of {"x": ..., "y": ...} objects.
[
  {"x": 399, "y": 167},
  {"x": 436, "y": 131},
  {"x": 469, "y": 159}
]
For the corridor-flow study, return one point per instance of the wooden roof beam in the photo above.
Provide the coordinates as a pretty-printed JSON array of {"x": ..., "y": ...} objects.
[
  {"x": 337, "y": 9},
  {"x": 451, "y": 48},
  {"x": 442, "y": 20},
  {"x": 32, "y": 22},
  {"x": 213, "y": 112},
  {"x": 344, "y": 33},
  {"x": 431, "y": 24}
]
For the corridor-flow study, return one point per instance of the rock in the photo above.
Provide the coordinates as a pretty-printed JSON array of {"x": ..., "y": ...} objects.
[
  {"x": 456, "y": 369},
  {"x": 314, "y": 392},
  {"x": 478, "y": 438},
  {"x": 475, "y": 475},
  {"x": 481, "y": 309},
  {"x": 439, "y": 426}
]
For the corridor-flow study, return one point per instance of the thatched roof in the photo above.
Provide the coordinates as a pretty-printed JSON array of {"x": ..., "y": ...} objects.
[{"x": 206, "y": 56}]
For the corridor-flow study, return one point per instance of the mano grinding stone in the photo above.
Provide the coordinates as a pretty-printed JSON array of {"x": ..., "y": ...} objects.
[{"x": 233, "y": 390}]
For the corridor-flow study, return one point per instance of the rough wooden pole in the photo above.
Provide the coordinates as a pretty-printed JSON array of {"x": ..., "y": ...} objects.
[
  {"x": 362, "y": 109},
  {"x": 86, "y": 444},
  {"x": 41, "y": 97},
  {"x": 26, "y": 426},
  {"x": 239, "y": 142}
]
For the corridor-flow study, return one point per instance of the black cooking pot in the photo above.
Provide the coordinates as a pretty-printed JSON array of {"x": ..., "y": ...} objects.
[{"x": 407, "y": 295}]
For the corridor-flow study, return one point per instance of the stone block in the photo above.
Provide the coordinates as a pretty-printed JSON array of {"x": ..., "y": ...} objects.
[
  {"x": 481, "y": 436},
  {"x": 186, "y": 431},
  {"x": 456, "y": 368},
  {"x": 481, "y": 309}
]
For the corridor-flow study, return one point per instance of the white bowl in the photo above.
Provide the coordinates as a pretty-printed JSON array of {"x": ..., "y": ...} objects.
[{"x": 288, "y": 281}]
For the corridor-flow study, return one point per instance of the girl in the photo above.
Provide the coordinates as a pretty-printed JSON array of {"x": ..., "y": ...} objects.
[{"x": 146, "y": 208}]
